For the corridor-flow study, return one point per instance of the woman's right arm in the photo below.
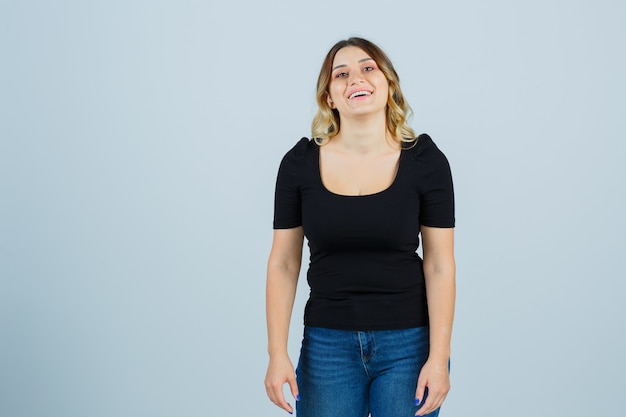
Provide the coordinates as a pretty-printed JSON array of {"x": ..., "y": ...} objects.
[{"x": 283, "y": 269}]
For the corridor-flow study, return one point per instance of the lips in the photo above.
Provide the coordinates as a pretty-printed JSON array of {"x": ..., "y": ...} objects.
[{"x": 359, "y": 93}]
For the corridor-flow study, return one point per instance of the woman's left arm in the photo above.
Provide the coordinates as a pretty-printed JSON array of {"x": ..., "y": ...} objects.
[{"x": 439, "y": 272}]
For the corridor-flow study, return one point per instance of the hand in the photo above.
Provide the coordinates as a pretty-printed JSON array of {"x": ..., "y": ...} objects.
[
  {"x": 280, "y": 372},
  {"x": 434, "y": 376}
]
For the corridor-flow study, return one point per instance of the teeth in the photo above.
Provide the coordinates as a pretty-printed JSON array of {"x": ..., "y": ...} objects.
[{"x": 360, "y": 93}]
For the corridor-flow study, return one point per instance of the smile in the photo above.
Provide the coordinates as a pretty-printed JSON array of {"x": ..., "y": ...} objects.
[{"x": 360, "y": 93}]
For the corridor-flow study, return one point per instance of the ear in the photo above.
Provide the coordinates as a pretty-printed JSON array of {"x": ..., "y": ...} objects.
[{"x": 330, "y": 101}]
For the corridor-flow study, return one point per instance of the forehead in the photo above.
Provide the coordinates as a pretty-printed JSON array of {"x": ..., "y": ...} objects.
[{"x": 350, "y": 54}]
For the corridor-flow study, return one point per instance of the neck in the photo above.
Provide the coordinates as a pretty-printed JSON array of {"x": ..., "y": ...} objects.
[{"x": 364, "y": 135}]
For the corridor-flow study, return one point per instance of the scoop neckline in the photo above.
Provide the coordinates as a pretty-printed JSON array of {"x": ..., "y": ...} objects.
[{"x": 319, "y": 177}]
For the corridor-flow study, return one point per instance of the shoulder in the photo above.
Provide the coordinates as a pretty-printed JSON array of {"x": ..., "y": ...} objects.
[
  {"x": 430, "y": 163},
  {"x": 300, "y": 150},
  {"x": 295, "y": 159},
  {"x": 424, "y": 151}
]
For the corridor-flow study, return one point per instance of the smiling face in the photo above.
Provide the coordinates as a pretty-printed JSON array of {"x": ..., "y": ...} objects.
[
  {"x": 333, "y": 105},
  {"x": 357, "y": 87}
]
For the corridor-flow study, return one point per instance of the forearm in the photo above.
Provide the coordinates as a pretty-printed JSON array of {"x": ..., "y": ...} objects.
[
  {"x": 441, "y": 294},
  {"x": 283, "y": 268},
  {"x": 280, "y": 295}
]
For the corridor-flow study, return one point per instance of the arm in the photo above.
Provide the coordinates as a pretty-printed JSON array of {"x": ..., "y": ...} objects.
[
  {"x": 439, "y": 273},
  {"x": 283, "y": 269}
]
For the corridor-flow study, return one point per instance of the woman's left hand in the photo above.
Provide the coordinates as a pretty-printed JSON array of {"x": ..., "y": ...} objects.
[{"x": 436, "y": 377}]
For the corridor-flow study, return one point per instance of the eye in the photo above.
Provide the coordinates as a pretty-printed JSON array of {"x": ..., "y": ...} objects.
[
  {"x": 341, "y": 74},
  {"x": 368, "y": 68}
]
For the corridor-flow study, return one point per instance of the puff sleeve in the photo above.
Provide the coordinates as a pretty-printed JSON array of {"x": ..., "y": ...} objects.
[
  {"x": 287, "y": 198},
  {"x": 435, "y": 185}
]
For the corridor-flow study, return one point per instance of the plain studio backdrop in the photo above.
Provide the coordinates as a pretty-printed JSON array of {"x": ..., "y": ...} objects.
[{"x": 139, "y": 145}]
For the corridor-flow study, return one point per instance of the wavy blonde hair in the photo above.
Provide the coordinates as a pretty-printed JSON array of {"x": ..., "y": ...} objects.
[{"x": 326, "y": 123}]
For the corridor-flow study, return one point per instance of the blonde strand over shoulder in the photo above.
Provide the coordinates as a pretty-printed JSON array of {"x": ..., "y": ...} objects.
[{"x": 324, "y": 126}]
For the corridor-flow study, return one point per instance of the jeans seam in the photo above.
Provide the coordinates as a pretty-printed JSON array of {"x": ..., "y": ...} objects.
[{"x": 365, "y": 358}]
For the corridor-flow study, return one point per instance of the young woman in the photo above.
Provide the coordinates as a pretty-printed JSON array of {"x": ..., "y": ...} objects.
[{"x": 379, "y": 318}]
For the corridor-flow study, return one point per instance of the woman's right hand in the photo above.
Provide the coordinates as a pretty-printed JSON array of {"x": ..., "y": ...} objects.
[{"x": 280, "y": 372}]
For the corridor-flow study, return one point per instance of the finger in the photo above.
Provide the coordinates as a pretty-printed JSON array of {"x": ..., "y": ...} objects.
[
  {"x": 427, "y": 407},
  {"x": 433, "y": 401},
  {"x": 282, "y": 403},
  {"x": 293, "y": 386},
  {"x": 419, "y": 392},
  {"x": 275, "y": 392},
  {"x": 426, "y": 399}
]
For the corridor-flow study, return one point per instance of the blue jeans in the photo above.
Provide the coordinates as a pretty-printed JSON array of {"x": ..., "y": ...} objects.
[{"x": 344, "y": 373}]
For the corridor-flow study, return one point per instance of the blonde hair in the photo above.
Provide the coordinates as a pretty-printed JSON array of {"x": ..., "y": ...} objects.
[{"x": 326, "y": 122}]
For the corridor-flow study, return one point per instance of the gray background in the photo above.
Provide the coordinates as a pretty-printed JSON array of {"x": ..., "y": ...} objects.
[{"x": 139, "y": 143}]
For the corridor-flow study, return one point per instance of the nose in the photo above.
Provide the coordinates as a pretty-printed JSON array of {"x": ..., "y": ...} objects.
[{"x": 355, "y": 77}]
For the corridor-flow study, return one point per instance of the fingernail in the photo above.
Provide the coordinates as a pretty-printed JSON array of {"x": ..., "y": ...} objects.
[
  {"x": 297, "y": 397},
  {"x": 417, "y": 401}
]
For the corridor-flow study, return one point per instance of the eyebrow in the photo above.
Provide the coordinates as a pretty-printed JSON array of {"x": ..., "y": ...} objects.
[{"x": 360, "y": 60}]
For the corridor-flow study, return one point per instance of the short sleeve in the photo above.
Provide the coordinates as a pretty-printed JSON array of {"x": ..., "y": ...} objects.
[
  {"x": 436, "y": 187},
  {"x": 287, "y": 200}
]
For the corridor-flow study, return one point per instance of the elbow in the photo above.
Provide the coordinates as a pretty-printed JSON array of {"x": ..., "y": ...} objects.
[
  {"x": 440, "y": 268},
  {"x": 283, "y": 266}
]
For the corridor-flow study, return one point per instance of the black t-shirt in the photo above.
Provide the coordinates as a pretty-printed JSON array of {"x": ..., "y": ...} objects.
[{"x": 364, "y": 272}]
